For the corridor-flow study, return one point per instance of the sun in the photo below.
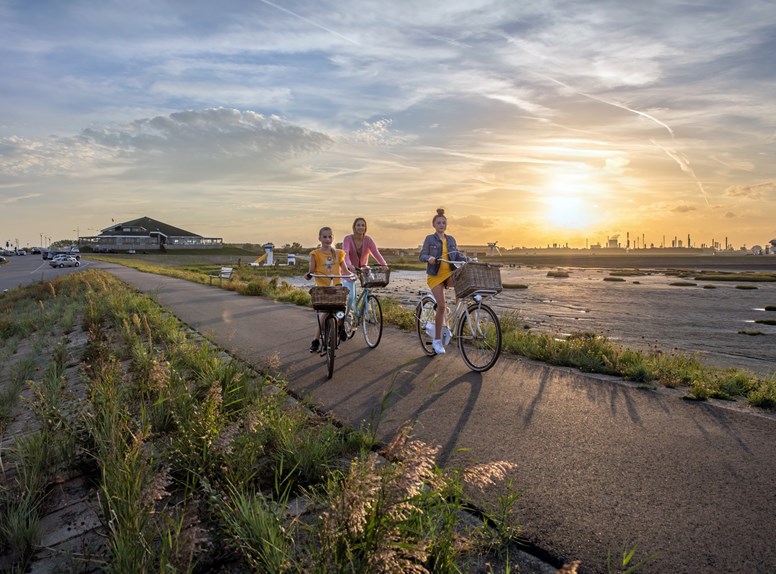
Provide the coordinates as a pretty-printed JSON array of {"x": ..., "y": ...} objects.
[
  {"x": 568, "y": 212},
  {"x": 569, "y": 202}
]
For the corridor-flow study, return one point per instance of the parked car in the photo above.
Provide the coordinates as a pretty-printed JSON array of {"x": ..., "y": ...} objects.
[
  {"x": 54, "y": 254},
  {"x": 3, "y": 260},
  {"x": 64, "y": 261},
  {"x": 21, "y": 252}
]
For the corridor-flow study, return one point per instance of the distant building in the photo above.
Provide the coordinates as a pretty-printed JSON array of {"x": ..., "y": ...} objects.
[{"x": 146, "y": 234}]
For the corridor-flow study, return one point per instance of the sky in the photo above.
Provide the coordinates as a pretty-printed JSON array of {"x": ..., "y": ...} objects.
[{"x": 533, "y": 123}]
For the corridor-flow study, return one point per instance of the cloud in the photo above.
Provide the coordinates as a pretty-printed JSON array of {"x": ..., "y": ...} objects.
[
  {"x": 378, "y": 133},
  {"x": 758, "y": 191},
  {"x": 184, "y": 146},
  {"x": 730, "y": 215},
  {"x": 684, "y": 208},
  {"x": 18, "y": 198},
  {"x": 473, "y": 222}
]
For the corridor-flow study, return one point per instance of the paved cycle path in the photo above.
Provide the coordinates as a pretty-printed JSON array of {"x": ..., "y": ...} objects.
[{"x": 602, "y": 464}]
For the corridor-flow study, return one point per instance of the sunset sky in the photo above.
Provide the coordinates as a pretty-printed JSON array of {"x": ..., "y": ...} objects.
[{"x": 532, "y": 122}]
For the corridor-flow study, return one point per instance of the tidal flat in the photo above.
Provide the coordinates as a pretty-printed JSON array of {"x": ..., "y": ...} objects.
[{"x": 644, "y": 312}]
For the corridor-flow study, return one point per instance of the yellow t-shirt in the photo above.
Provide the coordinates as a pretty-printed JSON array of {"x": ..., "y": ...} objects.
[
  {"x": 327, "y": 264},
  {"x": 444, "y": 269}
]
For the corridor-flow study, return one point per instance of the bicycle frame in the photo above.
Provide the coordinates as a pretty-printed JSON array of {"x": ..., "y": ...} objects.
[
  {"x": 366, "y": 313},
  {"x": 475, "y": 326},
  {"x": 461, "y": 310}
]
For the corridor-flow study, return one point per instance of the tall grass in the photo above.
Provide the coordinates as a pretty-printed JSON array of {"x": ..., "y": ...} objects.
[{"x": 180, "y": 436}]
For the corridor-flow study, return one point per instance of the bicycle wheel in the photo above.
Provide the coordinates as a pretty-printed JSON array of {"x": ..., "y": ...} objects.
[
  {"x": 331, "y": 335},
  {"x": 425, "y": 314},
  {"x": 479, "y": 337},
  {"x": 372, "y": 321}
]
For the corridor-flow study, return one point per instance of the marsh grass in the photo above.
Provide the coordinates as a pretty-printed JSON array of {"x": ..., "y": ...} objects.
[
  {"x": 170, "y": 424},
  {"x": 21, "y": 371}
]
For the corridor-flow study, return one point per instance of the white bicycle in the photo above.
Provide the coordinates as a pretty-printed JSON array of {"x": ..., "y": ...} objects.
[{"x": 476, "y": 327}]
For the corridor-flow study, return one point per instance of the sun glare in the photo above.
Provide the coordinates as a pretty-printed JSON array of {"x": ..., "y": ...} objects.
[
  {"x": 570, "y": 202},
  {"x": 568, "y": 212}
]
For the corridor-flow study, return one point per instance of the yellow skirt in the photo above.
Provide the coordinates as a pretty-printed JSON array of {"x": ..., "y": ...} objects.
[{"x": 444, "y": 273}]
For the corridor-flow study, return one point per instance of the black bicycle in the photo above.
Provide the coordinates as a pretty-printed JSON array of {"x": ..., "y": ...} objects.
[{"x": 331, "y": 303}]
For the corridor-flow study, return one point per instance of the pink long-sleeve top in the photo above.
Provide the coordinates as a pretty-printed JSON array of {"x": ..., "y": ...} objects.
[{"x": 355, "y": 258}]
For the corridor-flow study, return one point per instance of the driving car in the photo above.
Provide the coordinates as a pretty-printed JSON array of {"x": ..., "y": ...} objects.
[{"x": 64, "y": 261}]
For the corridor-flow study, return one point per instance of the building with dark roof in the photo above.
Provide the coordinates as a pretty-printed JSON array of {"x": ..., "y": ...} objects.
[{"x": 146, "y": 234}]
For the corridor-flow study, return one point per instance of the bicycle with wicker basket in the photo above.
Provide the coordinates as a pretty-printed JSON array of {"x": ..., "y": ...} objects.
[
  {"x": 367, "y": 312},
  {"x": 476, "y": 327},
  {"x": 330, "y": 302}
]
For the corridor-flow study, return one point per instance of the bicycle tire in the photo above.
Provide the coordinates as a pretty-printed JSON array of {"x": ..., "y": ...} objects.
[
  {"x": 331, "y": 337},
  {"x": 425, "y": 312},
  {"x": 372, "y": 321},
  {"x": 480, "y": 342}
]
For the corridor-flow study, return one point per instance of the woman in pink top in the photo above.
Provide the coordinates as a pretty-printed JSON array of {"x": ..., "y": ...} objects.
[{"x": 358, "y": 246}]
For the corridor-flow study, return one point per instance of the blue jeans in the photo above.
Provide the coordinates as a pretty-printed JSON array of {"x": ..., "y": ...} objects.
[{"x": 351, "y": 296}]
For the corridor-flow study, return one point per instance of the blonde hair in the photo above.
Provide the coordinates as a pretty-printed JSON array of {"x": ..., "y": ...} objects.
[
  {"x": 440, "y": 213},
  {"x": 334, "y": 250}
]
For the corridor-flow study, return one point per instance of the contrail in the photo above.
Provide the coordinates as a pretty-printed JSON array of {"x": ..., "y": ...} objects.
[
  {"x": 615, "y": 104},
  {"x": 684, "y": 165},
  {"x": 303, "y": 19},
  {"x": 682, "y": 162}
]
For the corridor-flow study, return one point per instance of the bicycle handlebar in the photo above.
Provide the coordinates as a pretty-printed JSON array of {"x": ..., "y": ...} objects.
[
  {"x": 350, "y": 277},
  {"x": 471, "y": 260}
]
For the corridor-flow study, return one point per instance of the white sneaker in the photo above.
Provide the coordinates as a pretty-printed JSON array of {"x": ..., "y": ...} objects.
[{"x": 439, "y": 348}]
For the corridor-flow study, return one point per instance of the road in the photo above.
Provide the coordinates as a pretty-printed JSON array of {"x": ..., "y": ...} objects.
[
  {"x": 602, "y": 463},
  {"x": 22, "y": 270}
]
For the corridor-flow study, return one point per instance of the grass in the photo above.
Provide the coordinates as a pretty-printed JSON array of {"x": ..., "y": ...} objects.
[
  {"x": 683, "y": 284},
  {"x": 196, "y": 459}
]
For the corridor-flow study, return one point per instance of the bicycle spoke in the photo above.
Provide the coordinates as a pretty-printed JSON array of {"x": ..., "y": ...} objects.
[
  {"x": 425, "y": 314},
  {"x": 373, "y": 322},
  {"x": 479, "y": 337}
]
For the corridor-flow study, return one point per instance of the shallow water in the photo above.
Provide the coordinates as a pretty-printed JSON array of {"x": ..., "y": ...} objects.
[{"x": 643, "y": 312}]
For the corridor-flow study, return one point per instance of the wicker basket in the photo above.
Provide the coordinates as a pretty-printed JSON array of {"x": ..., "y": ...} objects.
[
  {"x": 329, "y": 298},
  {"x": 476, "y": 277},
  {"x": 374, "y": 277}
]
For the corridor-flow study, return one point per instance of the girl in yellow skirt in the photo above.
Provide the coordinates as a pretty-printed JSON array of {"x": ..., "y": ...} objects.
[{"x": 438, "y": 246}]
